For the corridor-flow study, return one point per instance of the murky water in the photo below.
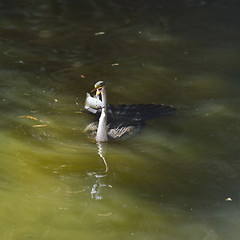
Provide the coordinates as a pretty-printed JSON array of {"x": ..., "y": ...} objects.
[{"x": 177, "y": 179}]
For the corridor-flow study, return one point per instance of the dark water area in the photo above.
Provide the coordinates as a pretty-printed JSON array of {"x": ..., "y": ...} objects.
[{"x": 178, "y": 178}]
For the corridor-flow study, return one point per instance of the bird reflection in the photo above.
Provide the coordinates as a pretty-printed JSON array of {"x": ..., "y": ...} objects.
[{"x": 98, "y": 185}]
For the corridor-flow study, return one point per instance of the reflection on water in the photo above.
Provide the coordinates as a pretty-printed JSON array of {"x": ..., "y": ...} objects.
[
  {"x": 96, "y": 189},
  {"x": 173, "y": 180}
]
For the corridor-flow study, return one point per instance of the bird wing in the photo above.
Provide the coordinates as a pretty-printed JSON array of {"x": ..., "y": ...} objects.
[{"x": 139, "y": 112}]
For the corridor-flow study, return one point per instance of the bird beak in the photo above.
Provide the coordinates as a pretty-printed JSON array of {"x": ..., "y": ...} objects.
[{"x": 98, "y": 90}]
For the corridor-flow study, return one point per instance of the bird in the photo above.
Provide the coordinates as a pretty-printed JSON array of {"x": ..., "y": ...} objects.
[{"x": 118, "y": 122}]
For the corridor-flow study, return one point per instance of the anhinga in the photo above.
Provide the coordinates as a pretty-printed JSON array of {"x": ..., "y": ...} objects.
[{"x": 121, "y": 121}]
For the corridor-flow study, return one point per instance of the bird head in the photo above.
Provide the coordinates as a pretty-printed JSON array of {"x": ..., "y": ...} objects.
[{"x": 98, "y": 87}]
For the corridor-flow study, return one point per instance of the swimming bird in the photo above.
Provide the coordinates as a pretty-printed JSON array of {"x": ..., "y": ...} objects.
[{"x": 118, "y": 122}]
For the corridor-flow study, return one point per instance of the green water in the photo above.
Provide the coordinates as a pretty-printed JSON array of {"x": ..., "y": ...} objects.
[{"x": 169, "y": 182}]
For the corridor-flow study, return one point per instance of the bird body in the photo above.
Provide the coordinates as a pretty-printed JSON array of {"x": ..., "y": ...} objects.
[{"x": 119, "y": 122}]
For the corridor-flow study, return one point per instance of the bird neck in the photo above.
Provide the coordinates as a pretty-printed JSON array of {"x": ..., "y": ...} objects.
[
  {"x": 104, "y": 98},
  {"x": 102, "y": 124}
]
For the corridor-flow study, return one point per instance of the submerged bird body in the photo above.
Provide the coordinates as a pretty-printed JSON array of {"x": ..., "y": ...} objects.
[{"x": 122, "y": 121}]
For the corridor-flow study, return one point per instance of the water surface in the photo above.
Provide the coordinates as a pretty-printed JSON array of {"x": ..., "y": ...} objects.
[{"x": 177, "y": 179}]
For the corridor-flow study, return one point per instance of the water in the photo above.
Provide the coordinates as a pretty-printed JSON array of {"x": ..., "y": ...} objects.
[{"x": 178, "y": 179}]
